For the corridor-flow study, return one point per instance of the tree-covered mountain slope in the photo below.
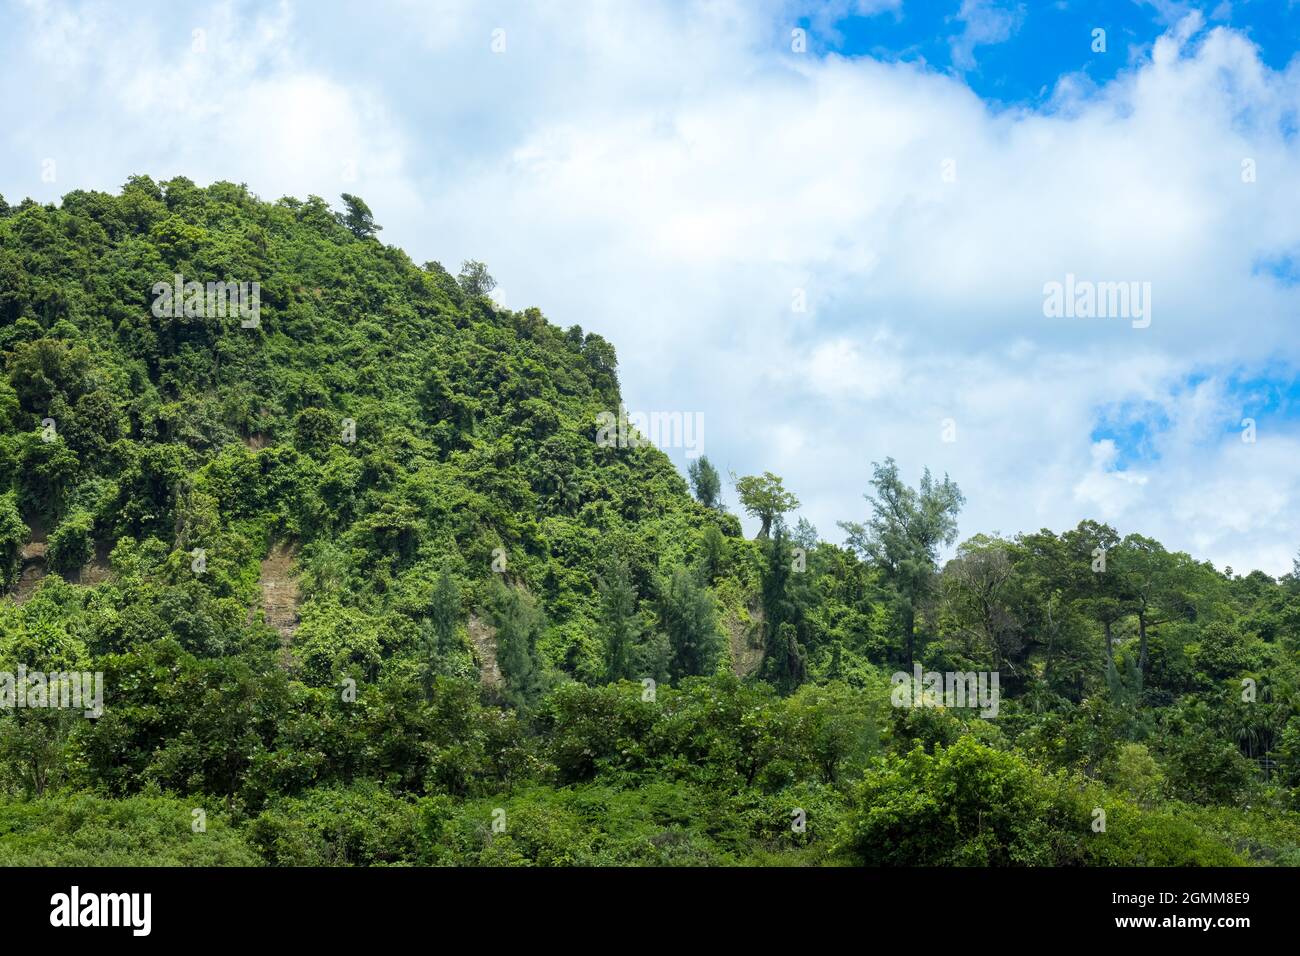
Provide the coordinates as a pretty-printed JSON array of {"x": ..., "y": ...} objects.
[
  {"x": 365, "y": 585},
  {"x": 390, "y": 421}
]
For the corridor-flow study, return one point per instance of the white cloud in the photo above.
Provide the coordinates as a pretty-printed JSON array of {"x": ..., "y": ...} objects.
[
  {"x": 212, "y": 94},
  {"x": 983, "y": 22},
  {"x": 668, "y": 176}
]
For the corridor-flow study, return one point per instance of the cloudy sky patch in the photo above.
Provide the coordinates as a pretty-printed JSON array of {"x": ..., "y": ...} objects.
[{"x": 831, "y": 254}]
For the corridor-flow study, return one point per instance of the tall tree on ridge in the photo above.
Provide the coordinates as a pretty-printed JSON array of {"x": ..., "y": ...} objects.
[
  {"x": 705, "y": 483},
  {"x": 764, "y": 497},
  {"x": 903, "y": 537}
]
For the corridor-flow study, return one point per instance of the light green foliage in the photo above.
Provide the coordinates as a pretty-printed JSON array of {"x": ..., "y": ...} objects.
[
  {"x": 764, "y": 497},
  {"x": 72, "y": 543},
  {"x": 86, "y": 830}
]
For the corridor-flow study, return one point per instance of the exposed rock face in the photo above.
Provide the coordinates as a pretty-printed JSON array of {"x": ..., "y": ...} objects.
[
  {"x": 746, "y": 640},
  {"x": 484, "y": 638},
  {"x": 31, "y": 560},
  {"x": 280, "y": 595}
]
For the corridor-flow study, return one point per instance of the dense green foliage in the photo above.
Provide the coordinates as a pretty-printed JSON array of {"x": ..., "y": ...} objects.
[{"x": 508, "y": 643}]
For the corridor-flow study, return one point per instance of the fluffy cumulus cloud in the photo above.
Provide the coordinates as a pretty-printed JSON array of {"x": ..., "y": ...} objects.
[{"x": 835, "y": 259}]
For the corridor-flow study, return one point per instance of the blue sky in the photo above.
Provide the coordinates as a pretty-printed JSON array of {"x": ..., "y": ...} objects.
[
  {"x": 1013, "y": 53},
  {"x": 832, "y": 255}
]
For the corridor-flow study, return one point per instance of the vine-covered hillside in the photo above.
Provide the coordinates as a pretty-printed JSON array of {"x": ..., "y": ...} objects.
[{"x": 365, "y": 586}]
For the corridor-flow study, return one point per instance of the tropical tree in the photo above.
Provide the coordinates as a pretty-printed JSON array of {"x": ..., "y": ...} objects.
[
  {"x": 705, "y": 483},
  {"x": 690, "y": 619},
  {"x": 474, "y": 278},
  {"x": 440, "y": 634},
  {"x": 978, "y": 590},
  {"x": 764, "y": 497},
  {"x": 357, "y": 217},
  {"x": 519, "y": 623},
  {"x": 1157, "y": 587},
  {"x": 903, "y": 537},
  {"x": 618, "y": 625}
]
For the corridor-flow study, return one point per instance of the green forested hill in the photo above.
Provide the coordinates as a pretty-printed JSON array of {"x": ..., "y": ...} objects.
[{"x": 365, "y": 588}]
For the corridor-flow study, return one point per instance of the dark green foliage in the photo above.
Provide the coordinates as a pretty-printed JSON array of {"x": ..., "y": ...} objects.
[
  {"x": 690, "y": 620},
  {"x": 969, "y": 805},
  {"x": 785, "y": 663},
  {"x": 706, "y": 484},
  {"x": 518, "y": 624},
  {"x": 713, "y": 556},
  {"x": 357, "y": 217},
  {"x": 13, "y": 534},
  {"x": 618, "y": 624},
  {"x": 439, "y": 635}
]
